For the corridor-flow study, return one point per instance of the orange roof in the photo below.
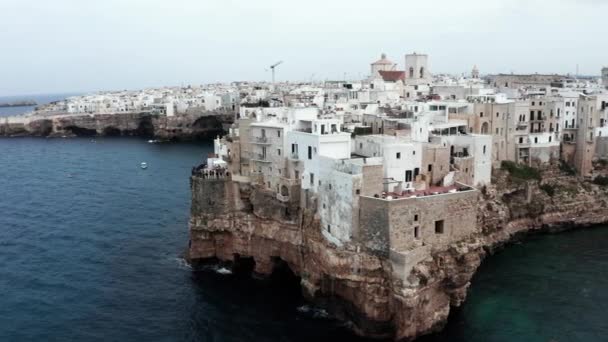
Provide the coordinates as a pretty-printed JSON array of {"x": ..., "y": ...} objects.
[{"x": 392, "y": 75}]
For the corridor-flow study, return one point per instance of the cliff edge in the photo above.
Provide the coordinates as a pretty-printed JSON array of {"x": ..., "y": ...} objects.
[{"x": 380, "y": 295}]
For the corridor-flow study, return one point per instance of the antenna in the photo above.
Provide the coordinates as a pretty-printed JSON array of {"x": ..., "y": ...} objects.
[{"x": 274, "y": 66}]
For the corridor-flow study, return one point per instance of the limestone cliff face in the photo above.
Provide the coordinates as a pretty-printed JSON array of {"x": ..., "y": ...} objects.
[
  {"x": 230, "y": 221},
  {"x": 183, "y": 127}
]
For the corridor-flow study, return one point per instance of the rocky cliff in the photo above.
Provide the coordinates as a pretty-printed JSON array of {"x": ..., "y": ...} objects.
[
  {"x": 232, "y": 222},
  {"x": 182, "y": 127}
]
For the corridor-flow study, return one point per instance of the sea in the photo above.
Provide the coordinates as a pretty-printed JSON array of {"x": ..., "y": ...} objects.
[
  {"x": 40, "y": 99},
  {"x": 91, "y": 249}
]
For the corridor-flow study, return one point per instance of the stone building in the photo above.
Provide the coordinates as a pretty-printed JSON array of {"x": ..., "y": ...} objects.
[
  {"x": 383, "y": 64},
  {"x": 592, "y": 124}
]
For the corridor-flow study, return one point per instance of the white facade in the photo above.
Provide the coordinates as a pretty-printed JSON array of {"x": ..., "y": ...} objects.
[{"x": 478, "y": 146}]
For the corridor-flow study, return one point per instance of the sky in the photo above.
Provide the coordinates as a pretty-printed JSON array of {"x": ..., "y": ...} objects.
[{"x": 88, "y": 45}]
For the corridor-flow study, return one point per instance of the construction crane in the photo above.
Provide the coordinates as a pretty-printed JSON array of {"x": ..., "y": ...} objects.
[{"x": 274, "y": 66}]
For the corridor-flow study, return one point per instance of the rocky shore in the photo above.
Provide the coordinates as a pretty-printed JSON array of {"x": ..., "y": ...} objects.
[
  {"x": 234, "y": 222},
  {"x": 178, "y": 127},
  {"x": 18, "y": 103}
]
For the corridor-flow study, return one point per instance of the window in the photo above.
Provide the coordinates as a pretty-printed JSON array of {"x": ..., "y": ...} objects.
[
  {"x": 328, "y": 228},
  {"x": 536, "y": 140},
  {"x": 416, "y": 218},
  {"x": 439, "y": 227},
  {"x": 496, "y": 131},
  {"x": 329, "y": 185},
  {"x": 481, "y": 114},
  {"x": 413, "y": 153},
  {"x": 358, "y": 191},
  {"x": 416, "y": 232},
  {"x": 398, "y": 156},
  {"x": 484, "y": 149},
  {"x": 297, "y": 174},
  {"x": 497, "y": 114},
  {"x": 309, "y": 152},
  {"x": 430, "y": 167},
  {"x": 360, "y": 145},
  {"x": 408, "y": 176},
  {"x": 521, "y": 140},
  {"x": 279, "y": 151},
  {"x": 279, "y": 134},
  {"x": 312, "y": 179}
]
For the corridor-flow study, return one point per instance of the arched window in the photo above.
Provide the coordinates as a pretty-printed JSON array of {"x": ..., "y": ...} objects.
[
  {"x": 485, "y": 127},
  {"x": 411, "y": 72}
]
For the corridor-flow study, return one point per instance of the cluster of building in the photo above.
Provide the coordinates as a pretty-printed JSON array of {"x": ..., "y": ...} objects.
[
  {"x": 393, "y": 162},
  {"x": 164, "y": 101}
]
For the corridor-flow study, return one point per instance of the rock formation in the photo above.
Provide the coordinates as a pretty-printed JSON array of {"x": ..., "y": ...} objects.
[
  {"x": 231, "y": 221},
  {"x": 178, "y": 127}
]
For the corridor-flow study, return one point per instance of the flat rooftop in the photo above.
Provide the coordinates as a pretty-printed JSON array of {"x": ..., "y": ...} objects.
[{"x": 431, "y": 191}]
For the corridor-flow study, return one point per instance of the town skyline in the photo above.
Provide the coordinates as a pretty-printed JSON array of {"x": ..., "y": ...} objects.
[{"x": 67, "y": 46}]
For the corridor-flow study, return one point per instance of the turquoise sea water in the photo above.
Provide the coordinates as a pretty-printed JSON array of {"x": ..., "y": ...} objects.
[
  {"x": 90, "y": 250},
  {"x": 549, "y": 288}
]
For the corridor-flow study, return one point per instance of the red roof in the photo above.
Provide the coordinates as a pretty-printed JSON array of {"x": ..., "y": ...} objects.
[{"x": 392, "y": 75}]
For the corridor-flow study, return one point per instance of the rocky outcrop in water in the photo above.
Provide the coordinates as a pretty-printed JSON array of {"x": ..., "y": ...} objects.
[
  {"x": 18, "y": 103},
  {"x": 178, "y": 127},
  {"x": 232, "y": 221}
]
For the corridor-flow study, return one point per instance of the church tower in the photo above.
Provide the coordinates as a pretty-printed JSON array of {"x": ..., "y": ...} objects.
[
  {"x": 475, "y": 72},
  {"x": 416, "y": 69}
]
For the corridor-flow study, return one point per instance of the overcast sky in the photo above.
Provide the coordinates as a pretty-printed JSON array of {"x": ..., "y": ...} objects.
[{"x": 84, "y": 45}]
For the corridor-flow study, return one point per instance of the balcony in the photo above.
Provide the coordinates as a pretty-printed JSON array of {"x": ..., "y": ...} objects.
[
  {"x": 260, "y": 140},
  {"x": 282, "y": 198},
  {"x": 259, "y": 157},
  {"x": 294, "y": 155},
  {"x": 290, "y": 181}
]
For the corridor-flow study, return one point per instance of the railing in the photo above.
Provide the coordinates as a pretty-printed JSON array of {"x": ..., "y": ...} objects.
[
  {"x": 214, "y": 173},
  {"x": 262, "y": 140},
  {"x": 259, "y": 157},
  {"x": 294, "y": 155}
]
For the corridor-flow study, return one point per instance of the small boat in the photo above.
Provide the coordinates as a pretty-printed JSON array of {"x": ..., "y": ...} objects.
[
  {"x": 152, "y": 141},
  {"x": 144, "y": 165}
]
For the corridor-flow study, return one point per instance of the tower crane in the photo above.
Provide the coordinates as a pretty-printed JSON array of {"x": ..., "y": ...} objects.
[{"x": 272, "y": 67}]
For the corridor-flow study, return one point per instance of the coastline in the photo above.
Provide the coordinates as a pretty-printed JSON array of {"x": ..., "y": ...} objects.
[
  {"x": 205, "y": 125},
  {"x": 376, "y": 303}
]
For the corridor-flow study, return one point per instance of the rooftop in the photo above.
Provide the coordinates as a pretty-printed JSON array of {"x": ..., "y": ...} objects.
[
  {"x": 392, "y": 75},
  {"x": 432, "y": 191}
]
